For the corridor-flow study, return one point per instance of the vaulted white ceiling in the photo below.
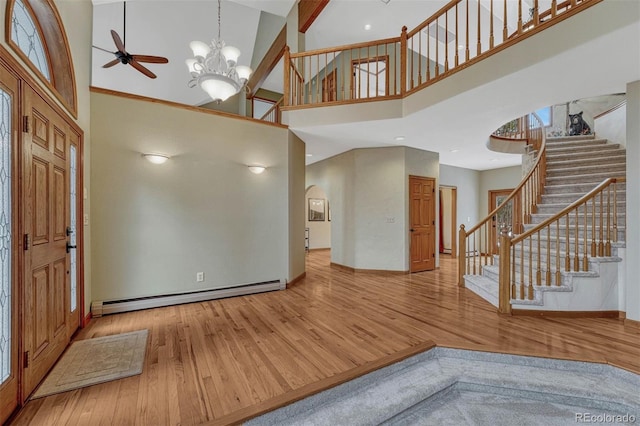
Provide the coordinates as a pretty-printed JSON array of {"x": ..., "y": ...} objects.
[{"x": 165, "y": 28}]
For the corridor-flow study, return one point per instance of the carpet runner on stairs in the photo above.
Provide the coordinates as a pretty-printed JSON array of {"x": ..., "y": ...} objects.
[{"x": 575, "y": 166}]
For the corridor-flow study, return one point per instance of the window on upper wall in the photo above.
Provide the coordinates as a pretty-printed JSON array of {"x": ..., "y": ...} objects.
[
  {"x": 36, "y": 34},
  {"x": 545, "y": 115},
  {"x": 261, "y": 107},
  {"x": 26, "y": 36}
]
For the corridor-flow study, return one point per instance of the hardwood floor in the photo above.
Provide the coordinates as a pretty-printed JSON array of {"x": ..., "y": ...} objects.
[{"x": 223, "y": 361}]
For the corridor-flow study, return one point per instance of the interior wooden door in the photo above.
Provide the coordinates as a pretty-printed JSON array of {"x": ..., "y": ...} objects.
[
  {"x": 46, "y": 329},
  {"x": 10, "y": 248},
  {"x": 422, "y": 214},
  {"x": 329, "y": 87}
]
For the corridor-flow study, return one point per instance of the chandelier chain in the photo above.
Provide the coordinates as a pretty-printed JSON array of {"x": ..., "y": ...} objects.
[{"x": 218, "y": 19}]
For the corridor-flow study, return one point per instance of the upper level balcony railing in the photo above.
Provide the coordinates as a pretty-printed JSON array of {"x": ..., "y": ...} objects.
[{"x": 462, "y": 33}]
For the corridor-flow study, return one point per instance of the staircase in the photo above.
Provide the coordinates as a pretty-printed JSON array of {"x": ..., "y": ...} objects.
[{"x": 575, "y": 166}]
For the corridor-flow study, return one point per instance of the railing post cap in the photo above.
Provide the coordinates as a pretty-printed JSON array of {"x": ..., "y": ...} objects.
[
  {"x": 404, "y": 29},
  {"x": 462, "y": 226}
]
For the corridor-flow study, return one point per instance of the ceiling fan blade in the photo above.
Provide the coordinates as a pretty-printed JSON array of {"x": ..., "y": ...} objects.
[
  {"x": 104, "y": 50},
  {"x": 142, "y": 69},
  {"x": 150, "y": 59},
  {"x": 117, "y": 40},
  {"x": 112, "y": 63}
]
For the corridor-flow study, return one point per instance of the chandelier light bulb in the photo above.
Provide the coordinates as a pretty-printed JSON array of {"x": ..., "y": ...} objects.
[
  {"x": 199, "y": 48},
  {"x": 231, "y": 54},
  {"x": 214, "y": 68}
]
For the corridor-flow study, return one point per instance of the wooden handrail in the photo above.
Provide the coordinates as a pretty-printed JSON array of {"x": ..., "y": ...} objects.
[
  {"x": 274, "y": 110},
  {"x": 593, "y": 217},
  {"x": 345, "y": 47},
  {"x": 506, "y": 139},
  {"x": 539, "y": 159},
  {"x": 444, "y": 9},
  {"x": 479, "y": 244},
  {"x": 570, "y": 208},
  {"x": 408, "y": 53},
  {"x": 610, "y": 110}
]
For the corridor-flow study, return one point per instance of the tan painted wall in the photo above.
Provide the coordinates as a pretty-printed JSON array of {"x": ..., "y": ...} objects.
[{"x": 156, "y": 226}]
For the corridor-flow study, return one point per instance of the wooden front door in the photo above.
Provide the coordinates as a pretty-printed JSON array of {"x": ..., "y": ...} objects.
[
  {"x": 47, "y": 325},
  {"x": 10, "y": 248},
  {"x": 422, "y": 214}
]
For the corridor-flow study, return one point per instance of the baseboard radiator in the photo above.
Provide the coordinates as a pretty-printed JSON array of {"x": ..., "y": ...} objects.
[{"x": 106, "y": 307}]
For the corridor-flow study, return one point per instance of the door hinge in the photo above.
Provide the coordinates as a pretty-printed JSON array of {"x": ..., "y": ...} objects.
[
  {"x": 433, "y": 222},
  {"x": 26, "y": 242},
  {"x": 433, "y": 255},
  {"x": 25, "y": 124},
  {"x": 25, "y": 361}
]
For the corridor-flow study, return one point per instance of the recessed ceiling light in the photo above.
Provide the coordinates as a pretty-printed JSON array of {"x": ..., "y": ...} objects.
[
  {"x": 454, "y": 150},
  {"x": 309, "y": 155},
  {"x": 494, "y": 159},
  {"x": 399, "y": 138},
  {"x": 367, "y": 27},
  {"x": 461, "y": 47}
]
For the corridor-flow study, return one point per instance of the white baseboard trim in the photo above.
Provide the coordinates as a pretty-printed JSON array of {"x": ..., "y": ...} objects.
[{"x": 100, "y": 308}]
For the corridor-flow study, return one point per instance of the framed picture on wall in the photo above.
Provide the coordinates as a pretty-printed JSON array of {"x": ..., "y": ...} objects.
[{"x": 316, "y": 209}]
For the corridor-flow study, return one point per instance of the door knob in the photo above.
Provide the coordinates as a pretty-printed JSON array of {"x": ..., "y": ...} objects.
[
  {"x": 69, "y": 247},
  {"x": 411, "y": 230}
]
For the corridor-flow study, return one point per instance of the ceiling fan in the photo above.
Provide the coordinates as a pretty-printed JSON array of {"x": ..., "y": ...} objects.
[{"x": 124, "y": 57}]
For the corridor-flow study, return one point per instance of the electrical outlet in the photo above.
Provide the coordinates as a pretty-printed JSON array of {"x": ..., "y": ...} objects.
[
  {"x": 200, "y": 277},
  {"x": 86, "y": 220}
]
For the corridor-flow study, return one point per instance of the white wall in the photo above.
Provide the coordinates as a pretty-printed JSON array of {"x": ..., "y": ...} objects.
[
  {"x": 504, "y": 178},
  {"x": 319, "y": 231},
  {"x": 632, "y": 252},
  {"x": 468, "y": 183},
  {"x": 296, "y": 171},
  {"x": 155, "y": 226},
  {"x": 380, "y": 212},
  {"x": 612, "y": 126},
  {"x": 446, "y": 218},
  {"x": 368, "y": 189}
]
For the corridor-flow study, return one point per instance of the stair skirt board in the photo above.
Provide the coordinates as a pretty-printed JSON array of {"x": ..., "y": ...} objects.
[
  {"x": 568, "y": 314},
  {"x": 100, "y": 308}
]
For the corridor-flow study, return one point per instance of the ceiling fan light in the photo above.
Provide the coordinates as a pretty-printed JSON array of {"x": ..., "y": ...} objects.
[
  {"x": 244, "y": 72},
  {"x": 231, "y": 54},
  {"x": 199, "y": 48}
]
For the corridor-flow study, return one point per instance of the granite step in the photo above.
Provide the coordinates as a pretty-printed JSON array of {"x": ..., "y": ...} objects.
[
  {"x": 614, "y": 158},
  {"x": 553, "y": 208},
  {"x": 594, "y": 177},
  {"x": 566, "y": 149},
  {"x": 579, "y": 188},
  {"x": 612, "y": 169}
]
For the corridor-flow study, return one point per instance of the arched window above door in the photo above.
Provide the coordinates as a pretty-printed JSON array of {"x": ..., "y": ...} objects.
[{"x": 35, "y": 32}]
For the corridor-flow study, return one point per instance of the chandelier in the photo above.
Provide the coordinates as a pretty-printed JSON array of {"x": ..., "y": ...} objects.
[{"x": 214, "y": 68}]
